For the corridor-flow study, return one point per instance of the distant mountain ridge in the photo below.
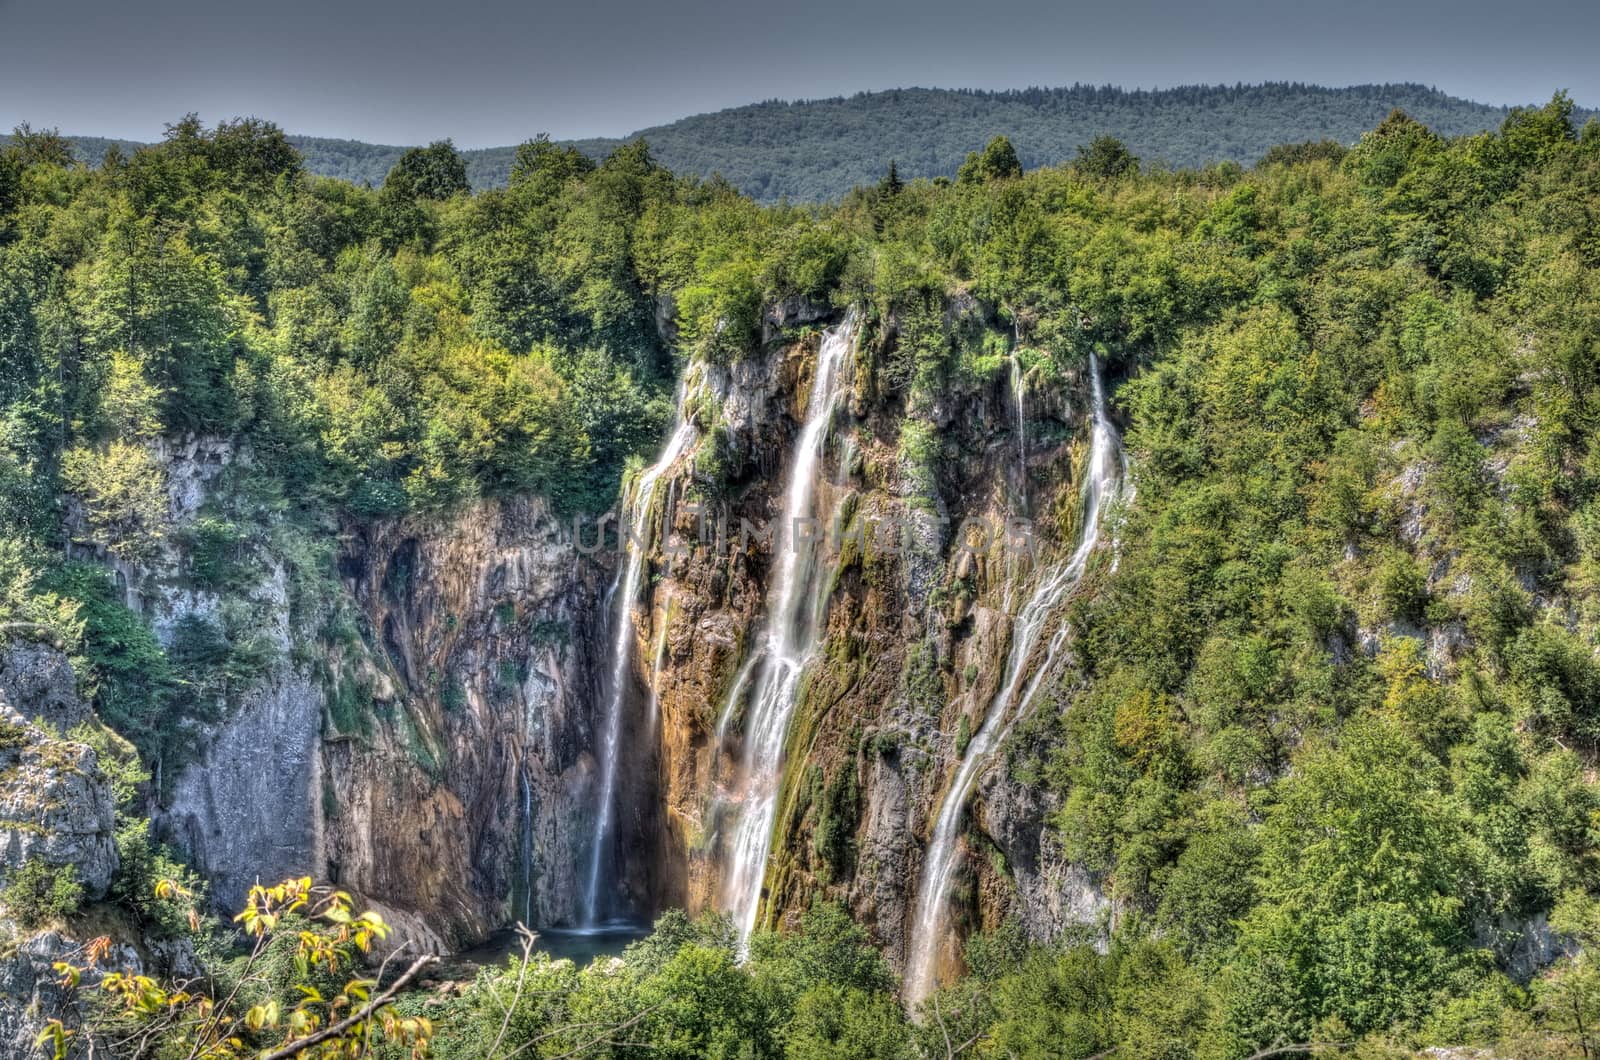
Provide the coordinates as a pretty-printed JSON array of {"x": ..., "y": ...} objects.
[{"x": 814, "y": 150}]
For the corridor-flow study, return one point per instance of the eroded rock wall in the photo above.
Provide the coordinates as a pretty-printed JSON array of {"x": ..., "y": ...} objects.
[
  {"x": 56, "y": 804},
  {"x": 914, "y": 635},
  {"x": 418, "y": 728},
  {"x": 423, "y": 734},
  {"x": 472, "y": 725}
]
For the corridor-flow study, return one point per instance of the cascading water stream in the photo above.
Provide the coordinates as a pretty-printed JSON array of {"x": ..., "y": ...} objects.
[
  {"x": 1022, "y": 425},
  {"x": 1022, "y": 459},
  {"x": 790, "y": 639},
  {"x": 736, "y": 696},
  {"x": 527, "y": 847},
  {"x": 1012, "y": 702},
  {"x": 622, "y": 637}
]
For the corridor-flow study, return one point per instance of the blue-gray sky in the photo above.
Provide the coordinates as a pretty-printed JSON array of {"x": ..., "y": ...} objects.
[{"x": 490, "y": 72}]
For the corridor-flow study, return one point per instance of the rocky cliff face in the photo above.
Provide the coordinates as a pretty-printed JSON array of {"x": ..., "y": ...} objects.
[
  {"x": 56, "y": 808},
  {"x": 243, "y": 809},
  {"x": 924, "y": 568},
  {"x": 56, "y": 805},
  {"x": 460, "y": 789},
  {"x": 423, "y": 734},
  {"x": 419, "y": 730}
]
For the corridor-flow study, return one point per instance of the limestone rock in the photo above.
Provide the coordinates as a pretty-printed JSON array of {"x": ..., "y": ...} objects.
[
  {"x": 55, "y": 803},
  {"x": 39, "y": 682},
  {"x": 31, "y": 993}
]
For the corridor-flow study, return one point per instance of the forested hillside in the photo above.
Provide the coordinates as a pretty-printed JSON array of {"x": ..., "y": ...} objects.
[
  {"x": 814, "y": 150},
  {"x": 1326, "y": 750}
]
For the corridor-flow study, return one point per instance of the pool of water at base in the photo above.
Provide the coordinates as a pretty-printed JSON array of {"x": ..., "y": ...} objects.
[{"x": 579, "y": 945}]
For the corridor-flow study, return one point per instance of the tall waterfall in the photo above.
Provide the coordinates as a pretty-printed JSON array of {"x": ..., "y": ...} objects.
[
  {"x": 789, "y": 640},
  {"x": 527, "y": 846},
  {"x": 1022, "y": 425},
  {"x": 1013, "y": 701},
  {"x": 622, "y": 637}
]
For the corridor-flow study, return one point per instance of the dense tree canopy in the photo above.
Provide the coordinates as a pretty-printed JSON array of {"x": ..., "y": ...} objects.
[
  {"x": 816, "y": 150},
  {"x": 1331, "y": 754}
]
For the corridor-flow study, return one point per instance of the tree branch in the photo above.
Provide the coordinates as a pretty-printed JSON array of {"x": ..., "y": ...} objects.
[
  {"x": 366, "y": 1035},
  {"x": 526, "y": 937},
  {"x": 333, "y": 1030},
  {"x": 948, "y": 1052},
  {"x": 569, "y": 1028},
  {"x": 1301, "y": 1047}
]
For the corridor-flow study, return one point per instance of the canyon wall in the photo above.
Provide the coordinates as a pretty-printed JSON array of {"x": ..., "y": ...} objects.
[
  {"x": 424, "y": 731},
  {"x": 911, "y": 633},
  {"x": 419, "y": 731}
]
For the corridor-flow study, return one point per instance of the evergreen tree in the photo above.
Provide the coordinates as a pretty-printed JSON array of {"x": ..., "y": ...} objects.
[{"x": 892, "y": 184}]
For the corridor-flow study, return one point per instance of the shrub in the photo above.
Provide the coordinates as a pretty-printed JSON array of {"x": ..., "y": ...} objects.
[
  {"x": 38, "y": 894},
  {"x": 302, "y": 941},
  {"x": 1401, "y": 586},
  {"x": 143, "y": 865},
  {"x": 919, "y": 454},
  {"x": 12, "y": 735},
  {"x": 838, "y": 813},
  {"x": 214, "y": 552}
]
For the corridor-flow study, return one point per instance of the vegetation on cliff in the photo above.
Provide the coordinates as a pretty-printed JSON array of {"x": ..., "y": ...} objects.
[{"x": 1333, "y": 761}]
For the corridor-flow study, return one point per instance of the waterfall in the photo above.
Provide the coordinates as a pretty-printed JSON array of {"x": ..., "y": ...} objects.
[
  {"x": 622, "y": 636},
  {"x": 527, "y": 847},
  {"x": 1022, "y": 425},
  {"x": 1013, "y": 700},
  {"x": 1021, "y": 508},
  {"x": 736, "y": 696},
  {"x": 789, "y": 640}
]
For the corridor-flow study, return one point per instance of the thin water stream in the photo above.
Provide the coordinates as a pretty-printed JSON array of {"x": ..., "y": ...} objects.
[
  {"x": 622, "y": 642},
  {"x": 789, "y": 639},
  {"x": 1012, "y": 702}
]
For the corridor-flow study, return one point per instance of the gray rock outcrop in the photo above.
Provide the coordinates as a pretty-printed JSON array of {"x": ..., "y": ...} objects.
[{"x": 55, "y": 803}]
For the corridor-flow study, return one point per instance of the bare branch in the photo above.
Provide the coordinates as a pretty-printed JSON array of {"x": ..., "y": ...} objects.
[
  {"x": 526, "y": 937},
  {"x": 256, "y": 950},
  {"x": 586, "y": 1046},
  {"x": 603, "y": 1037},
  {"x": 945, "y": 1033},
  {"x": 334, "y": 1030},
  {"x": 1299, "y": 1047},
  {"x": 969, "y": 1043}
]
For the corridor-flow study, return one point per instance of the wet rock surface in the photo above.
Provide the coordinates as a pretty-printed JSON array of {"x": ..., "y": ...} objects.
[
  {"x": 426, "y": 739},
  {"x": 466, "y": 801},
  {"x": 912, "y": 638}
]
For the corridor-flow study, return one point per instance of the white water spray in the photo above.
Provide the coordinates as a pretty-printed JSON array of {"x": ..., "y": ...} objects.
[
  {"x": 736, "y": 695},
  {"x": 622, "y": 637},
  {"x": 1012, "y": 702},
  {"x": 789, "y": 640}
]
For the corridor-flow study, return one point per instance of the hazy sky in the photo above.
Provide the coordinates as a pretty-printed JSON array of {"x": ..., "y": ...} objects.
[{"x": 490, "y": 72}]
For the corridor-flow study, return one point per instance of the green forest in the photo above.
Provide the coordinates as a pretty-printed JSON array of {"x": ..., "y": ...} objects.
[
  {"x": 1335, "y": 750},
  {"x": 817, "y": 150}
]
